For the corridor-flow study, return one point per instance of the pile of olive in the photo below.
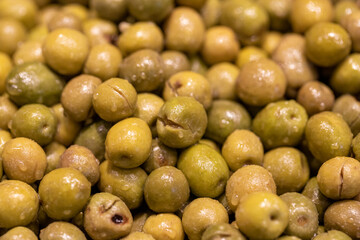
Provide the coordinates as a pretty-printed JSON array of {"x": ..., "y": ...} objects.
[{"x": 179, "y": 119}]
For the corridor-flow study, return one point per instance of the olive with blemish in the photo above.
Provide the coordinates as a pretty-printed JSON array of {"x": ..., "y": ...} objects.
[
  {"x": 191, "y": 84},
  {"x": 99, "y": 31},
  {"x": 338, "y": 178},
  {"x": 303, "y": 215},
  {"x": 181, "y": 122},
  {"x": 107, "y": 217},
  {"x": 114, "y": 99}
]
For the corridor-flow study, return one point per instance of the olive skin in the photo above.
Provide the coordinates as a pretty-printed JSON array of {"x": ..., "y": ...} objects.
[
  {"x": 344, "y": 216},
  {"x": 242, "y": 147},
  {"x": 164, "y": 226},
  {"x": 247, "y": 18},
  {"x": 268, "y": 207},
  {"x": 246, "y": 180},
  {"x": 280, "y": 123},
  {"x": 261, "y": 82},
  {"x": 127, "y": 184},
  {"x": 141, "y": 35},
  {"x": 13, "y": 32},
  {"x": 82, "y": 159},
  {"x": 19, "y": 203},
  {"x": 144, "y": 69},
  {"x": 103, "y": 61},
  {"x": 19, "y": 233},
  {"x": 166, "y": 189},
  {"x": 34, "y": 121},
  {"x": 289, "y": 168},
  {"x": 150, "y": 11},
  {"x": 69, "y": 41},
  {"x": 184, "y": 30},
  {"x": 224, "y": 117},
  {"x": 315, "y": 97},
  {"x": 327, "y": 44},
  {"x": 201, "y": 213},
  {"x": 23, "y": 159},
  {"x": 303, "y": 215},
  {"x": 312, "y": 191},
  {"x": 7, "y": 110},
  {"x": 346, "y": 78},
  {"x": 64, "y": 192},
  {"x": 290, "y": 55},
  {"x": 209, "y": 182},
  {"x": 45, "y": 86},
  {"x": 328, "y": 136},
  {"x": 77, "y": 95},
  {"x": 306, "y": 13},
  {"x": 123, "y": 141},
  {"x": 61, "y": 230}
]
